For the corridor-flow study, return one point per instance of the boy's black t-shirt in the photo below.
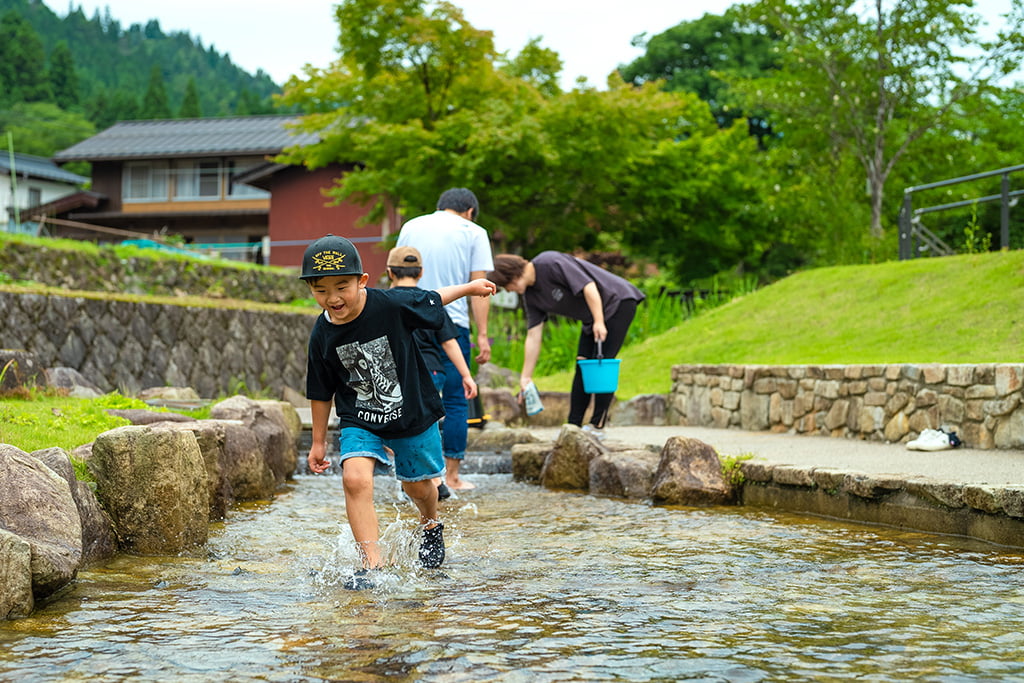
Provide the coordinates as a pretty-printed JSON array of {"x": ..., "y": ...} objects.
[
  {"x": 429, "y": 341},
  {"x": 372, "y": 367}
]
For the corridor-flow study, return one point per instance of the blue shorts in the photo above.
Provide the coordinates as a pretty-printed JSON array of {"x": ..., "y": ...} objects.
[{"x": 416, "y": 457}]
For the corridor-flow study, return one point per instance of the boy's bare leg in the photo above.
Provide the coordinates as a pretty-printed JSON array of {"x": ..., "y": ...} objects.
[
  {"x": 357, "y": 477},
  {"x": 424, "y": 496},
  {"x": 454, "y": 481}
]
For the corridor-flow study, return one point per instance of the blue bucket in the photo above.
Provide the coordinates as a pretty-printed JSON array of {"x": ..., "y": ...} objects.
[{"x": 600, "y": 375}]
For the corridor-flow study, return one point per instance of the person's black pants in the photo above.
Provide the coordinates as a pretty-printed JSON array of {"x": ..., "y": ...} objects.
[{"x": 579, "y": 400}]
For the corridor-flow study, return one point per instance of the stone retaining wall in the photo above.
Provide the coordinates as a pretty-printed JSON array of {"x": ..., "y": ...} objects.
[
  {"x": 99, "y": 268},
  {"x": 893, "y": 403},
  {"x": 131, "y": 346}
]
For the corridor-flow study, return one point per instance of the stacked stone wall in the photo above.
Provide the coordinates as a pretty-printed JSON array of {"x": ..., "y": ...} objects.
[
  {"x": 103, "y": 270},
  {"x": 129, "y": 346},
  {"x": 892, "y": 403}
]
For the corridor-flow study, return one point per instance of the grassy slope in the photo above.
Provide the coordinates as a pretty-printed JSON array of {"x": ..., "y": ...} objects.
[{"x": 959, "y": 309}]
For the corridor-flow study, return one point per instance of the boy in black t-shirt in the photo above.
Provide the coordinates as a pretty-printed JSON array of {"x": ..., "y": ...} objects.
[
  {"x": 362, "y": 356},
  {"x": 405, "y": 268}
]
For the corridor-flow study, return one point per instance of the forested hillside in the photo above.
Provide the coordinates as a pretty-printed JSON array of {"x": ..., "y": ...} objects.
[{"x": 64, "y": 77}]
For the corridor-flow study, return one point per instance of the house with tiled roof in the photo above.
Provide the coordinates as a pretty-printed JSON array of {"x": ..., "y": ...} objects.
[
  {"x": 26, "y": 181},
  {"x": 213, "y": 182}
]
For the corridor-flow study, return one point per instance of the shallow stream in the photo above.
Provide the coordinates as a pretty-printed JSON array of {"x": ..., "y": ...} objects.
[{"x": 538, "y": 586}]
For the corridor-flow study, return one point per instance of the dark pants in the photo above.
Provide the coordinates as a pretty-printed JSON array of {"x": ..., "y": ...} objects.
[{"x": 579, "y": 400}]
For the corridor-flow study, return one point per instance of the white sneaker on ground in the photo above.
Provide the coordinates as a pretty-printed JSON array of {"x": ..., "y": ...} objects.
[
  {"x": 593, "y": 431},
  {"x": 930, "y": 440}
]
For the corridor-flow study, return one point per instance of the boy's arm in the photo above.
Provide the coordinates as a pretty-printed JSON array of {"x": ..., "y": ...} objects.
[
  {"x": 480, "y": 308},
  {"x": 478, "y": 287},
  {"x": 321, "y": 413},
  {"x": 451, "y": 347}
]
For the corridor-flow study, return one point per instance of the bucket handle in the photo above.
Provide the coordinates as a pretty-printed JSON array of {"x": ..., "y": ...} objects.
[{"x": 600, "y": 355}]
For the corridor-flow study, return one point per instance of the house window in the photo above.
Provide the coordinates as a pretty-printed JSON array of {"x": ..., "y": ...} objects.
[
  {"x": 35, "y": 196},
  {"x": 197, "y": 180},
  {"x": 237, "y": 190},
  {"x": 145, "y": 181}
]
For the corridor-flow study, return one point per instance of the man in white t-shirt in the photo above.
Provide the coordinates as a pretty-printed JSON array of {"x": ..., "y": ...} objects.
[{"x": 454, "y": 251}]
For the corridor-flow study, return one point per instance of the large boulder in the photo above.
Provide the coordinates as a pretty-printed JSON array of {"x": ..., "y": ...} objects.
[
  {"x": 498, "y": 440},
  {"x": 37, "y": 506},
  {"x": 624, "y": 474},
  {"x": 244, "y": 466},
  {"x": 142, "y": 416},
  {"x": 528, "y": 461},
  {"x": 72, "y": 381},
  {"x": 98, "y": 539},
  {"x": 690, "y": 473},
  {"x": 276, "y": 425},
  {"x": 210, "y": 437},
  {"x": 568, "y": 464},
  {"x": 152, "y": 482},
  {"x": 645, "y": 409},
  {"x": 16, "y": 598},
  {"x": 501, "y": 405}
]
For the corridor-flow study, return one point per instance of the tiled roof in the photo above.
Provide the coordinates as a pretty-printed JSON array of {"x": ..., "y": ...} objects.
[
  {"x": 29, "y": 166},
  {"x": 162, "y": 139}
]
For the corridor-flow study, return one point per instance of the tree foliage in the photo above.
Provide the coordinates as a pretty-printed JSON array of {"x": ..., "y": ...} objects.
[
  {"x": 870, "y": 78},
  {"x": 419, "y": 101},
  {"x": 63, "y": 78},
  {"x": 696, "y": 56},
  {"x": 98, "y": 69},
  {"x": 41, "y": 127},
  {"x": 22, "y": 62},
  {"x": 154, "y": 102},
  {"x": 190, "y": 107}
]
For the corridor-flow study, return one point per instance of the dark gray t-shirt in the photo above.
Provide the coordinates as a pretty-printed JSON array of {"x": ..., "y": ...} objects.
[{"x": 558, "y": 289}]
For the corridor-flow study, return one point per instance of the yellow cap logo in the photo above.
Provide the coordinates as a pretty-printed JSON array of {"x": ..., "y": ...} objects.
[{"x": 328, "y": 260}]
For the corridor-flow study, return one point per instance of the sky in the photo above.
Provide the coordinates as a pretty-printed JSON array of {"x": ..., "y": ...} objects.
[{"x": 592, "y": 37}]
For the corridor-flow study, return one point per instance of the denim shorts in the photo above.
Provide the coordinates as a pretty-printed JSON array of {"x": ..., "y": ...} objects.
[{"x": 416, "y": 457}]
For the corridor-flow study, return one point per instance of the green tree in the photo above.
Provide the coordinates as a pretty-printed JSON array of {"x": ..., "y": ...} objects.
[
  {"x": 108, "y": 107},
  {"x": 22, "y": 62},
  {"x": 410, "y": 115},
  {"x": 694, "y": 56},
  {"x": 43, "y": 128},
  {"x": 538, "y": 66},
  {"x": 63, "y": 79},
  {"x": 154, "y": 103},
  {"x": 872, "y": 83},
  {"x": 403, "y": 68},
  {"x": 190, "y": 108}
]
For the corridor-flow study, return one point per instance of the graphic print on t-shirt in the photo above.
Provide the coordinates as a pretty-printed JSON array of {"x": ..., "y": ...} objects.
[{"x": 374, "y": 377}]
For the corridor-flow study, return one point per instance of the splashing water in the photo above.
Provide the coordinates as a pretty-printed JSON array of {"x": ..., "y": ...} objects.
[{"x": 537, "y": 586}]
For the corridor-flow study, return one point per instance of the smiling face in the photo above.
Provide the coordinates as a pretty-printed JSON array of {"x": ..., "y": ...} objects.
[{"x": 342, "y": 296}]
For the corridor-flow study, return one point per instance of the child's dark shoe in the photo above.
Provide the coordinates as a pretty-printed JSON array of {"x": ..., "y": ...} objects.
[
  {"x": 361, "y": 580},
  {"x": 432, "y": 548}
]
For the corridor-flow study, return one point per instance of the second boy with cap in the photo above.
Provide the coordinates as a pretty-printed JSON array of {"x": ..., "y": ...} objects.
[{"x": 405, "y": 267}]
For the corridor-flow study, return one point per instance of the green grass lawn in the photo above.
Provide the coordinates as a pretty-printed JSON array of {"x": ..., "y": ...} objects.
[{"x": 957, "y": 309}]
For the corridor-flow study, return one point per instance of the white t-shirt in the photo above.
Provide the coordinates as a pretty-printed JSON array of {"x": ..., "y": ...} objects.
[{"x": 451, "y": 247}]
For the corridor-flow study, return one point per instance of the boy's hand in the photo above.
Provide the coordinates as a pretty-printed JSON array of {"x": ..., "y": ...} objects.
[
  {"x": 482, "y": 287},
  {"x": 316, "y": 458},
  {"x": 469, "y": 386}
]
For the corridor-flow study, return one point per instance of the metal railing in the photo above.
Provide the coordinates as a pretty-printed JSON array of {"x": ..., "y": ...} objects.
[{"x": 916, "y": 239}]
